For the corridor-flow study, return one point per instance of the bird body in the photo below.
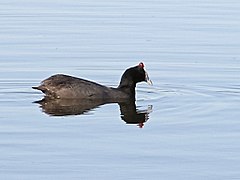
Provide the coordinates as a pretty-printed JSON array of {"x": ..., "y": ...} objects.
[{"x": 62, "y": 86}]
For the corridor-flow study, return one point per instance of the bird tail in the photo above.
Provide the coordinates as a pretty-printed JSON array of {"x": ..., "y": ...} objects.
[
  {"x": 36, "y": 87},
  {"x": 41, "y": 88}
]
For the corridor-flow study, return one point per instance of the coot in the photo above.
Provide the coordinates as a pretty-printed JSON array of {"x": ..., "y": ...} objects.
[{"x": 62, "y": 86}]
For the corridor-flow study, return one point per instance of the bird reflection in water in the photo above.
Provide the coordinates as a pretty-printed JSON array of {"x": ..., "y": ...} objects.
[{"x": 64, "y": 107}]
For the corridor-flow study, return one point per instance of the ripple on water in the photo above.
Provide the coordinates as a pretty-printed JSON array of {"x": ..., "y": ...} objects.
[
  {"x": 158, "y": 92},
  {"x": 16, "y": 90},
  {"x": 193, "y": 101}
]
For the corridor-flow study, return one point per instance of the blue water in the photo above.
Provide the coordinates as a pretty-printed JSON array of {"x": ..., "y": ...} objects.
[{"x": 191, "y": 52}]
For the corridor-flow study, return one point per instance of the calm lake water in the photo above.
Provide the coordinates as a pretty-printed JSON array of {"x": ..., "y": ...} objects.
[{"x": 191, "y": 50}]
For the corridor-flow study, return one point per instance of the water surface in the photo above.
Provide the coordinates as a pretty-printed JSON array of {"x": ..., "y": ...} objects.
[{"x": 191, "y": 52}]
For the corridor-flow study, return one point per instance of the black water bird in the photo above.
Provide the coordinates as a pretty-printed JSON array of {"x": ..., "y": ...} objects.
[{"x": 62, "y": 86}]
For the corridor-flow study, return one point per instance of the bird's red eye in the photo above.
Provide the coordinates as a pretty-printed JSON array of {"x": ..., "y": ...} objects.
[{"x": 141, "y": 65}]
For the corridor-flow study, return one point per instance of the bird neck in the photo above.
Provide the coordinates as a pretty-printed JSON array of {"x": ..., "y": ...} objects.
[{"x": 128, "y": 88}]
